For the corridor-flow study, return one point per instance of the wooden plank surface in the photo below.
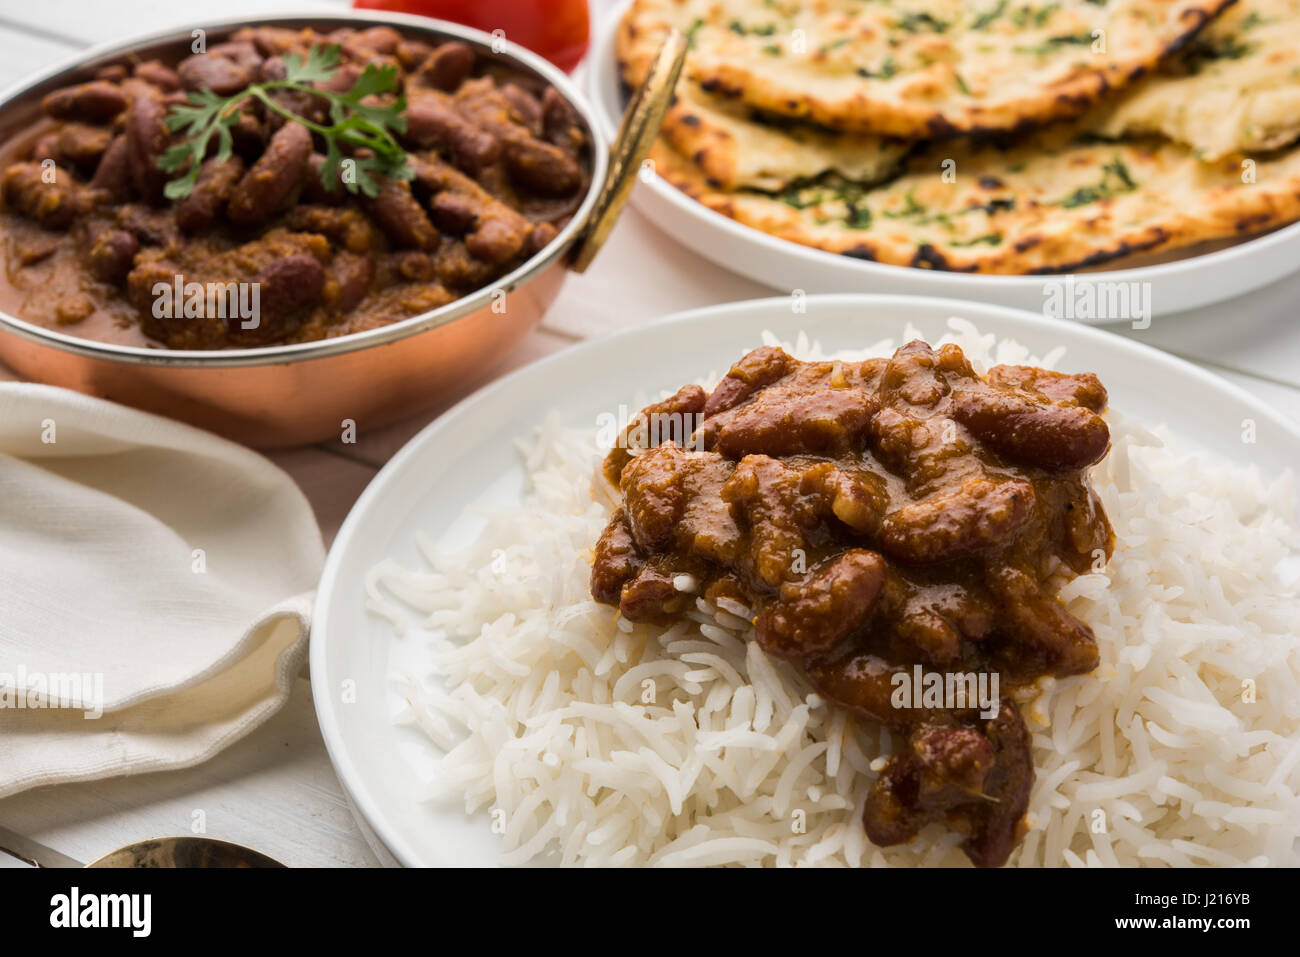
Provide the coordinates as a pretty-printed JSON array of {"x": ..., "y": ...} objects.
[
  {"x": 90, "y": 23},
  {"x": 330, "y": 481},
  {"x": 26, "y": 53},
  {"x": 640, "y": 274}
]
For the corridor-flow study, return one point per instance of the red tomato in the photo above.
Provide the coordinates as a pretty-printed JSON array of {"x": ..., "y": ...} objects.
[{"x": 557, "y": 29}]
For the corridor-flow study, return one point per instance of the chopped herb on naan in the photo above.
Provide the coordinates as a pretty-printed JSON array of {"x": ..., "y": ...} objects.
[
  {"x": 915, "y": 69},
  {"x": 1056, "y": 202}
]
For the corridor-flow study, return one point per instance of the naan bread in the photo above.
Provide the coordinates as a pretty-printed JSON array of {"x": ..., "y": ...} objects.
[
  {"x": 1235, "y": 89},
  {"x": 1055, "y": 203},
  {"x": 734, "y": 149},
  {"x": 915, "y": 69}
]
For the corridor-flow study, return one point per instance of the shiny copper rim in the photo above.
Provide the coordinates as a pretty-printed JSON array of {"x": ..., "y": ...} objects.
[{"x": 274, "y": 355}]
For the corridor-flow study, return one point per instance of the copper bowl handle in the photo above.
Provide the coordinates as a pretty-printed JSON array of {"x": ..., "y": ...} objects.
[{"x": 636, "y": 134}]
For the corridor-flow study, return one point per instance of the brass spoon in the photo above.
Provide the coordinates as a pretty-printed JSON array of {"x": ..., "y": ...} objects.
[{"x": 184, "y": 852}]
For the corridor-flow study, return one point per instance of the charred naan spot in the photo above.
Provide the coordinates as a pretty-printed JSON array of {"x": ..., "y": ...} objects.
[
  {"x": 928, "y": 257},
  {"x": 1029, "y": 242},
  {"x": 690, "y": 119},
  {"x": 1074, "y": 101},
  {"x": 1197, "y": 19},
  {"x": 991, "y": 182},
  {"x": 1248, "y": 224},
  {"x": 1157, "y": 235},
  {"x": 860, "y": 252},
  {"x": 941, "y": 126}
]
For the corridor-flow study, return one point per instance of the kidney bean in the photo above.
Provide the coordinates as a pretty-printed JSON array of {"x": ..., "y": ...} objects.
[
  {"x": 95, "y": 102},
  {"x": 1083, "y": 388},
  {"x": 269, "y": 41},
  {"x": 343, "y": 80},
  {"x": 354, "y": 274},
  {"x": 289, "y": 284},
  {"x": 411, "y": 52},
  {"x": 113, "y": 73},
  {"x": 447, "y": 66},
  {"x": 207, "y": 71},
  {"x": 432, "y": 122},
  {"x": 112, "y": 253},
  {"x": 542, "y": 167},
  {"x": 248, "y": 135},
  {"x": 217, "y": 180},
  {"x": 497, "y": 239},
  {"x": 273, "y": 69},
  {"x": 146, "y": 138},
  {"x": 241, "y": 52},
  {"x": 153, "y": 227},
  {"x": 82, "y": 145},
  {"x": 313, "y": 187},
  {"x": 401, "y": 218},
  {"x": 52, "y": 204},
  {"x": 112, "y": 175},
  {"x": 372, "y": 40},
  {"x": 47, "y": 147},
  {"x": 454, "y": 214},
  {"x": 959, "y": 520},
  {"x": 539, "y": 238},
  {"x": 560, "y": 123},
  {"x": 811, "y": 617},
  {"x": 527, "y": 110},
  {"x": 163, "y": 77},
  {"x": 1033, "y": 433},
  {"x": 264, "y": 188}
]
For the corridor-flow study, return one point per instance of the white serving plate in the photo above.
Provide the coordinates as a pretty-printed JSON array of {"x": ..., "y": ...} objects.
[
  {"x": 467, "y": 456},
  {"x": 1175, "y": 286}
]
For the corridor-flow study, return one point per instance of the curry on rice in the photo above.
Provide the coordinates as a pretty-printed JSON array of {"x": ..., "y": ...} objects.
[{"x": 877, "y": 516}]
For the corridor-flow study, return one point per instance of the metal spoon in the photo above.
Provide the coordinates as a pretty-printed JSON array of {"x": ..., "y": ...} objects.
[{"x": 185, "y": 852}]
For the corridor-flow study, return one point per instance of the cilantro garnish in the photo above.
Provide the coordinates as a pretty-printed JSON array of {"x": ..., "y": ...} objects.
[{"x": 354, "y": 124}]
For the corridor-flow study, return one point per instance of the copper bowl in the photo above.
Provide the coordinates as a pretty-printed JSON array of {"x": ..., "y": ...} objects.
[{"x": 276, "y": 396}]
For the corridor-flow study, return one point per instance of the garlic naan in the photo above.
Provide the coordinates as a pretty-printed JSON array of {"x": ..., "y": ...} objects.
[
  {"x": 915, "y": 69},
  {"x": 1235, "y": 89},
  {"x": 1057, "y": 202},
  {"x": 734, "y": 149}
]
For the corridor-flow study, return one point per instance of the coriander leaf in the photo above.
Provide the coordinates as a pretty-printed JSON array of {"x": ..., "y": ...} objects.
[
  {"x": 360, "y": 129},
  {"x": 318, "y": 67}
]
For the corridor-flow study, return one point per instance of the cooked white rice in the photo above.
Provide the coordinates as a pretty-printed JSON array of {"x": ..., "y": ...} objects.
[{"x": 598, "y": 742}]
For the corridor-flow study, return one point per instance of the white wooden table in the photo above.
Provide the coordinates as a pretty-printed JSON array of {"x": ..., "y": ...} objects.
[{"x": 276, "y": 790}]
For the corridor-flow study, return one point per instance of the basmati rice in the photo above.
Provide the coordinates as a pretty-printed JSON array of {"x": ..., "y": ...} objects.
[{"x": 605, "y": 742}]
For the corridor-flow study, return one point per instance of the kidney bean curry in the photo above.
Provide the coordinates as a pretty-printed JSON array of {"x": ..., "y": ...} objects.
[
  {"x": 877, "y": 516},
  {"x": 356, "y": 178}
]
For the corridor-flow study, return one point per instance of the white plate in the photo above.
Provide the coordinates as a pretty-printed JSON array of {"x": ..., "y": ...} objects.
[
  {"x": 467, "y": 456},
  {"x": 1175, "y": 286}
]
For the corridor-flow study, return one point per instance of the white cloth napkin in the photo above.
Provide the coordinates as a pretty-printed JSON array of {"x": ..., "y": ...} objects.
[{"x": 155, "y": 588}]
